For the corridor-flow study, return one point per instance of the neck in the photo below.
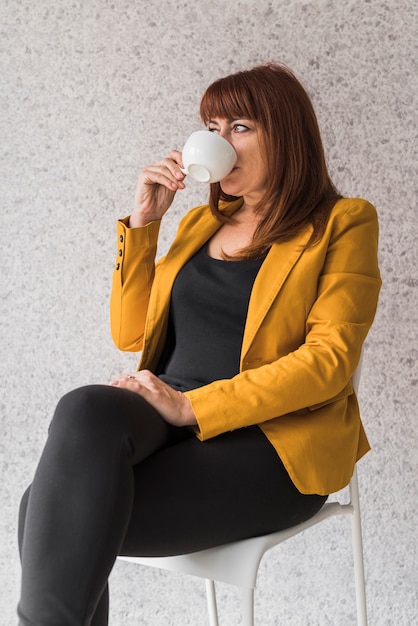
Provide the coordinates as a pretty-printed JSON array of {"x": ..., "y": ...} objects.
[{"x": 248, "y": 213}]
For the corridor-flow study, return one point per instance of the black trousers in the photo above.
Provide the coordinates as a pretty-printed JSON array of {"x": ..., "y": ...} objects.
[{"x": 115, "y": 478}]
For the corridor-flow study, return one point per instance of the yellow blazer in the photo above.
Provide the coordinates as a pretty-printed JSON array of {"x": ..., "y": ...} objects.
[{"x": 309, "y": 313}]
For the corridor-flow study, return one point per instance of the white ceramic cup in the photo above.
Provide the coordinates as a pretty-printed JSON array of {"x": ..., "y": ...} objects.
[{"x": 208, "y": 157}]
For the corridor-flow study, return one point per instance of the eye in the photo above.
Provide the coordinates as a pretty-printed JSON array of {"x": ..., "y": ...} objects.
[
  {"x": 240, "y": 128},
  {"x": 213, "y": 129}
]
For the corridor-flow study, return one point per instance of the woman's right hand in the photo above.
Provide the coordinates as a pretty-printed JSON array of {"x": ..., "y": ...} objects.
[{"x": 155, "y": 190}]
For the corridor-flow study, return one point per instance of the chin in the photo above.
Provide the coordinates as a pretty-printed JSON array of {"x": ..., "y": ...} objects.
[{"x": 230, "y": 188}]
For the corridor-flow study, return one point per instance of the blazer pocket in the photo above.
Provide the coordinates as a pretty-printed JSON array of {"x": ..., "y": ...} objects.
[{"x": 344, "y": 393}]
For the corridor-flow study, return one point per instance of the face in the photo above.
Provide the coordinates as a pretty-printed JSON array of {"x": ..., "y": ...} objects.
[{"x": 248, "y": 178}]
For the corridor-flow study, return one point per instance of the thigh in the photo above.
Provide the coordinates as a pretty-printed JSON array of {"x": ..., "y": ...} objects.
[
  {"x": 92, "y": 429},
  {"x": 194, "y": 495},
  {"x": 99, "y": 419}
]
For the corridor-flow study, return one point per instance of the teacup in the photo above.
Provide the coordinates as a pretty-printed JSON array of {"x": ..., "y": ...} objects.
[{"x": 208, "y": 157}]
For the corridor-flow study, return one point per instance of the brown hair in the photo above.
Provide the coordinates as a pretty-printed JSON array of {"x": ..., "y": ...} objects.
[{"x": 299, "y": 189}]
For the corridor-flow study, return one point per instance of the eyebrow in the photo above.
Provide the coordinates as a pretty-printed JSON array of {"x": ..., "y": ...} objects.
[{"x": 230, "y": 121}]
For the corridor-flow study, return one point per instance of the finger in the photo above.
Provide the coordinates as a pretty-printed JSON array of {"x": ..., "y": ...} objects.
[
  {"x": 146, "y": 377},
  {"x": 154, "y": 175},
  {"x": 177, "y": 157},
  {"x": 129, "y": 385},
  {"x": 123, "y": 378},
  {"x": 170, "y": 166}
]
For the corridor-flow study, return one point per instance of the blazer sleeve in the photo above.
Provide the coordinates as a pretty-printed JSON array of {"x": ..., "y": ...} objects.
[
  {"x": 318, "y": 371},
  {"x": 133, "y": 276}
]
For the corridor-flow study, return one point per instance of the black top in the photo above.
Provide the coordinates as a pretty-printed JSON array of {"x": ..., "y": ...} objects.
[{"x": 209, "y": 303}]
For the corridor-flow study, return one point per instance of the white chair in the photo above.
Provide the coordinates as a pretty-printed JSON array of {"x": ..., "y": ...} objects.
[{"x": 237, "y": 563}]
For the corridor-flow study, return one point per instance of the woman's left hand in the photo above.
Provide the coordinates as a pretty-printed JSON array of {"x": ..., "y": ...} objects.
[{"x": 172, "y": 405}]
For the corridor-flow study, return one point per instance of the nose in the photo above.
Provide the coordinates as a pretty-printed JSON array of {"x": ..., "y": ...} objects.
[{"x": 226, "y": 134}]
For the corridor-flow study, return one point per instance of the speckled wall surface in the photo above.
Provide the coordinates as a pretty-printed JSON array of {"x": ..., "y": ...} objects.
[{"x": 91, "y": 91}]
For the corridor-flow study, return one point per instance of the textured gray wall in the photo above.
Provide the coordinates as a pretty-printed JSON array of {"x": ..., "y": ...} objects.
[{"x": 91, "y": 91}]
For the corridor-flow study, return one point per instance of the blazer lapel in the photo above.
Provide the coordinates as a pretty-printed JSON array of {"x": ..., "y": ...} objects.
[{"x": 270, "y": 279}]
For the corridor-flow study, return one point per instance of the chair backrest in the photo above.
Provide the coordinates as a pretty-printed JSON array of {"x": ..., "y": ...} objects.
[{"x": 357, "y": 374}]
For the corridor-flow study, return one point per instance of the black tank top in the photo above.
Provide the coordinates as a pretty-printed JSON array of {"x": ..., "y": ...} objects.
[{"x": 209, "y": 303}]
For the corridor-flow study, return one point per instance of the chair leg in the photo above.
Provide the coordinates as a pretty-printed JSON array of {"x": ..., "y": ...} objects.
[
  {"x": 247, "y": 606},
  {"x": 359, "y": 577},
  {"x": 211, "y": 600}
]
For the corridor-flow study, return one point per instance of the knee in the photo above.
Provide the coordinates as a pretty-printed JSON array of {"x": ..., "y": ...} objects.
[{"x": 84, "y": 411}]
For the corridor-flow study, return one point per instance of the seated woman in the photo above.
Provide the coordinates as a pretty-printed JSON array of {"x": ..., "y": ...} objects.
[{"x": 241, "y": 417}]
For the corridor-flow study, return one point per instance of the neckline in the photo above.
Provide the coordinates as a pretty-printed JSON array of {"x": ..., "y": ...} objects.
[{"x": 231, "y": 261}]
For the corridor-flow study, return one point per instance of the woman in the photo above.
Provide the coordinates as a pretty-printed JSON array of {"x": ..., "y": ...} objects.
[{"x": 241, "y": 417}]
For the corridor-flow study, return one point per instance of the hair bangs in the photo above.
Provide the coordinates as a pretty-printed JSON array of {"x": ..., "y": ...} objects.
[{"x": 228, "y": 98}]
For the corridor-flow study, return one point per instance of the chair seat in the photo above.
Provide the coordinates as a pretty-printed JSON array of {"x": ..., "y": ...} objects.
[{"x": 236, "y": 563}]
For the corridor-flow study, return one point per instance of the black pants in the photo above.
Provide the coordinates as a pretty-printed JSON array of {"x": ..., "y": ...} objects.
[{"x": 115, "y": 478}]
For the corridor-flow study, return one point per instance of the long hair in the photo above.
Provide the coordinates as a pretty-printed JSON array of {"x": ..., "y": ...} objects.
[{"x": 299, "y": 189}]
